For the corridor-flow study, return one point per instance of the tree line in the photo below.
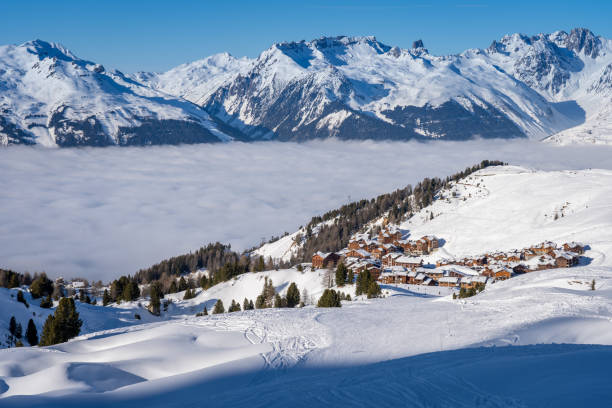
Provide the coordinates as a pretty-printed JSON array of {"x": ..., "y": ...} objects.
[{"x": 351, "y": 218}]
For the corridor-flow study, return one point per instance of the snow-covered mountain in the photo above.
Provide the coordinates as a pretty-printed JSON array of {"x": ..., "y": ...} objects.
[
  {"x": 550, "y": 85},
  {"x": 49, "y": 96},
  {"x": 196, "y": 81},
  {"x": 358, "y": 87}
]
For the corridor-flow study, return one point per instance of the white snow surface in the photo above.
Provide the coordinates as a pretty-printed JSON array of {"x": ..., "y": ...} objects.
[
  {"x": 243, "y": 353},
  {"x": 505, "y": 208},
  {"x": 195, "y": 81},
  {"x": 510, "y": 207}
]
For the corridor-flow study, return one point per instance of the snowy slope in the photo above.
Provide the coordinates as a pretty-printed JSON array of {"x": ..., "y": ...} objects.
[
  {"x": 286, "y": 247},
  {"x": 504, "y": 208},
  {"x": 195, "y": 81},
  {"x": 95, "y": 318},
  {"x": 165, "y": 363},
  {"x": 51, "y": 97},
  {"x": 404, "y": 338},
  {"x": 98, "y": 318}
]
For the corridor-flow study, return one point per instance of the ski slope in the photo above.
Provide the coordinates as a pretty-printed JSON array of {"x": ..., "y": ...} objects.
[
  {"x": 97, "y": 318},
  {"x": 505, "y": 208},
  {"x": 164, "y": 364},
  {"x": 509, "y": 207}
]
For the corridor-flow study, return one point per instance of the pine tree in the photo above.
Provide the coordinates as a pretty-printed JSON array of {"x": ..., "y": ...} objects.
[
  {"x": 293, "y": 295},
  {"x": 182, "y": 285},
  {"x": 63, "y": 325},
  {"x": 155, "y": 304},
  {"x": 269, "y": 292},
  {"x": 261, "y": 266},
  {"x": 362, "y": 283},
  {"x": 18, "y": 331},
  {"x": 373, "y": 290},
  {"x": 205, "y": 312},
  {"x": 46, "y": 303},
  {"x": 106, "y": 298},
  {"x": 278, "y": 302},
  {"x": 32, "y": 333},
  {"x": 251, "y": 305},
  {"x": 14, "y": 281},
  {"x": 219, "y": 308},
  {"x": 593, "y": 284},
  {"x": 246, "y": 305},
  {"x": 189, "y": 294},
  {"x": 12, "y": 326},
  {"x": 131, "y": 291},
  {"x": 204, "y": 283},
  {"x": 21, "y": 299},
  {"x": 341, "y": 274},
  {"x": 329, "y": 298},
  {"x": 42, "y": 286},
  {"x": 260, "y": 302},
  {"x": 351, "y": 277},
  {"x": 234, "y": 307},
  {"x": 173, "y": 288},
  {"x": 48, "y": 333}
]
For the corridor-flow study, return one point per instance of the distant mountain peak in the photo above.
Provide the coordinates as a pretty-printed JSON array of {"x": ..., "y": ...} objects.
[
  {"x": 46, "y": 49},
  {"x": 583, "y": 40},
  {"x": 418, "y": 44},
  {"x": 349, "y": 87}
]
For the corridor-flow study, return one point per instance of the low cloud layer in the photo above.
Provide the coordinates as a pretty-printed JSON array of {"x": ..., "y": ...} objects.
[{"x": 100, "y": 213}]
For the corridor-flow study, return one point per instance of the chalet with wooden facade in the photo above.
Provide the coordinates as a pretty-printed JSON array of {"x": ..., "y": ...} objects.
[
  {"x": 565, "y": 259},
  {"x": 411, "y": 262},
  {"x": 575, "y": 247},
  {"x": 325, "y": 260},
  {"x": 393, "y": 260}
]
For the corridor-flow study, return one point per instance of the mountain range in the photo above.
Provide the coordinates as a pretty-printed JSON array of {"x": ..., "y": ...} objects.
[{"x": 556, "y": 87}]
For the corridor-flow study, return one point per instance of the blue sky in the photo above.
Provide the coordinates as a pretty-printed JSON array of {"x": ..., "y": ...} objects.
[{"x": 157, "y": 35}]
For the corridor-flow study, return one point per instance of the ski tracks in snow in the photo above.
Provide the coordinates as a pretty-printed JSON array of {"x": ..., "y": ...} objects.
[{"x": 290, "y": 335}]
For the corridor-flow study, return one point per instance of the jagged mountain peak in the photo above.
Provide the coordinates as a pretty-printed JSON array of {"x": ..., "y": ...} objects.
[
  {"x": 579, "y": 40},
  {"x": 361, "y": 81},
  {"x": 44, "y": 49},
  {"x": 329, "y": 50},
  {"x": 350, "y": 87},
  {"x": 583, "y": 40},
  {"x": 334, "y": 41}
]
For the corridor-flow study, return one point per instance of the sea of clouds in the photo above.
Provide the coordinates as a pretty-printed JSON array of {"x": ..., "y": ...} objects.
[{"x": 102, "y": 212}]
